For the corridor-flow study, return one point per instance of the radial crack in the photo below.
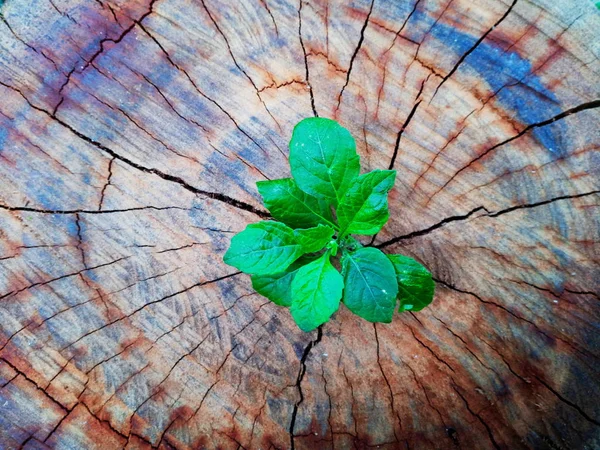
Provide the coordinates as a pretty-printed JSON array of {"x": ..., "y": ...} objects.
[
  {"x": 406, "y": 122},
  {"x": 306, "y": 75},
  {"x": 583, "y": 107},
  {"x": 487, "y": 213},
  {"x": 101, "y": 49},
  {"x": 472, "y": 49},
  {"x": 237, "y": 64},
  {"x": 165, "y": 176},
  {"x": 360, "y": 41},
  {"x": 193, "y": 83},
  {"x": 299, "y": 379}
]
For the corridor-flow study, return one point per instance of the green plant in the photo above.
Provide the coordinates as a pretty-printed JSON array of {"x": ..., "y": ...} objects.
[{"x": 291, "y": 260}]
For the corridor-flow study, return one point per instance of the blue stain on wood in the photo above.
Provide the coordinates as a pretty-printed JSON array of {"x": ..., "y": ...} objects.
[
  {"x": 3, "y": 135},
  {"x": 507, "y": 73},
  {"x": 46, "y": 189},
  {"x": 394, "y": 11}
]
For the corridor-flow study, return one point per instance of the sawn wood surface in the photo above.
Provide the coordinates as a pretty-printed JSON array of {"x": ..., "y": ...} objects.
[{"x": 131, "y": 137}]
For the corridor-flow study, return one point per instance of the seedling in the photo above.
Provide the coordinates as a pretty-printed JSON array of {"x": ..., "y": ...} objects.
[{"x": 317, "y": 212}]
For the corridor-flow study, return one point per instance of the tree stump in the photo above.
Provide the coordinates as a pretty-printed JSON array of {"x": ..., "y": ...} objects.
[{"x": 132, "y": 134}]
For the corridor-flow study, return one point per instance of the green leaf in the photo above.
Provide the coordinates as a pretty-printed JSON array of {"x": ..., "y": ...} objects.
[
  {"x": 278, "y": 287},
  {"x": 323, "y": 158},
  {"x": 264, "y": 248},
  {"x": 364, "y": 208},
  {"x": 292, "y": 206},
  {"x": 370, "y": 284},
  {"x": 316, "y": 293},
  {"x": 415, "y": 285},
  {"x": 314, "y": 239}
]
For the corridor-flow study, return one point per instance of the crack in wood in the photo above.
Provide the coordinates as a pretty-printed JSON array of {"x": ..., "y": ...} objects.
[
  {"x": 485, "y": 213},
  {"x": 399, "y": 136},
  {"x": 356, "y": 50},
  {"x": 476, "y": 415},
  {"x": 145, "y": 305},
  {"x": 101, "y": 49},
  {"x": 237, "y": 64},
  {"x": 165, "y": 176},
  {"x": 306, "y": 74},
  {"x": 387, "y": 381},
  {"x": 472, "y": 49},
  {"x": 301, "y": 373},
  {"x": 582, "y": 107},
  {"x": 197, "y": 88},
  {"x": 584, "y": 353}
]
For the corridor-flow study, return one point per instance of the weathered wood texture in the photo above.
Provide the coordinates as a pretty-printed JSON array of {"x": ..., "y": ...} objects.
[{"x": 131, "y": 136}]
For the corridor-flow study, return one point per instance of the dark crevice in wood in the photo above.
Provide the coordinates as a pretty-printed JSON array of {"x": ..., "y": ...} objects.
[
  {"x": 168, "y": 102},
  {"x": 486, "y": 214},
  {"x": 56, "y": 427},
  {"x": 197, "y": 410},
  {"x": 266, "y": 6},
  {"x": 112, "y": 12},
  {"x": 140, "y": 127},
  {"x": 156, "y": 389},
  {"x": 31, "y": 47},
  {"x": 360, "y": 41},
  {"x": 431, "y": 228},
  {"x": 182, "y": 247},
  {"x": 541, "y": 203},
  {"x": 37, "y": 386},
  {"x": 101, "y": 49},
  {"x": 108, "y": 179},
  {"x": 150, "y": 303},
  {"x": 406, "y": 122},
  {"x": 302, "y": 371},
  {"x": 436, "y": 156},
  {"x": 583, "y": 107},
  {"x": 419, "y": 44},
  {"x": 571, "y": 404},
  {"x": 485, "y": 425},
  {"x": 113, "y": 429},
  {"x": 172, "y": 421},
  {"x": 398, "y": 33},
  {"x": 237, "y": 64},
  {"x": 7, "y": 382},
  {"x": 26, "y": 441},
  {"x": 42, "y": 283},
  {"x": 387, "y": 381},
  {"x": 91, "y": 211},
  {"x": 518, "y": 376},
  {"x": 472, "y": 49},
  {"x": 165, "y": 176},
  {"x": 60, "y": 89},
  {"x": 63, "y": 13},
  {"x": 593, "y": 294},
  {"x": 193, "y": 83},
  {"x": 329, "y": 403},
  {"x": 584, "y": 353},
  {"x": 466, "y": 346},
  {"x": 420, "y": 384},
  {"x": 430, "y": 350},
  {"x": 80, "y": 240},
  {"x": 306, "y": 75}
]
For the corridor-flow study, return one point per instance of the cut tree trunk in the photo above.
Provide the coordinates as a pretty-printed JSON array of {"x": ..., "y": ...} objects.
[{"x": 131, "y": 137}]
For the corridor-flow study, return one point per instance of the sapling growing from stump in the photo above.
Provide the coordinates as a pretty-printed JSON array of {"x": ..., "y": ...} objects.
[{"x": 294, "y": 260}]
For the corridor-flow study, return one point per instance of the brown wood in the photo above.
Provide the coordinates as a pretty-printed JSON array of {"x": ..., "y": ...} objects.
[{"x": 131, "y": 137}]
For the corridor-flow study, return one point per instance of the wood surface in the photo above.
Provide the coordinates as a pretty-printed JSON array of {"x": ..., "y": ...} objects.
[{"x": 132, "y": 133}]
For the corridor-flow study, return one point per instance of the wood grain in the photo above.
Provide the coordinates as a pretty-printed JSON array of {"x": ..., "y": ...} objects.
[{"x": 131, "y": 137}]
